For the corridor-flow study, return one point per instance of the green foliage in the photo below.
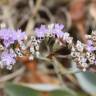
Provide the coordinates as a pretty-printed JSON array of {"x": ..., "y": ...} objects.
[
  {"x": 60, "y": 93},
  {"x": 87, "y": 81},
  {"x": 20, "y": 90}
]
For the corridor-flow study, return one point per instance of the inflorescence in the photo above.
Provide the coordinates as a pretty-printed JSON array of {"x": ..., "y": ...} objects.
[
  {"x": 8, "y": 39},
  {"x": 15, "y": 44},
  {"x": 85, "y": 54}
]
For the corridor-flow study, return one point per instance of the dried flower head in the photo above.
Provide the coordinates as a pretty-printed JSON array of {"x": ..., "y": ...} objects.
[
  {"x": 7, "y": 59},
  {"x": 86, "y": 51}
]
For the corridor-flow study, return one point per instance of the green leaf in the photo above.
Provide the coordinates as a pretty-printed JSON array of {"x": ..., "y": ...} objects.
[
  {"x": 87, "y": 81},
  {"x": 18, "y": 90},
  {"x": 60, "y": 93},
  {"x": 65, "y": 93}
]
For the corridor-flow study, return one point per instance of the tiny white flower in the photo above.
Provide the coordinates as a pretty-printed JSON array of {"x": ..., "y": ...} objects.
[
  {"x": 9, "y": 67},
  {"x": 31, "y": 57},
  {"x": 37, "y": 47},
  {"x": 79, "y": 42},
  {"x": 73, "y": 49},
  {"x": 50, "y": 26},
  {"x": 37, "y": 53},
  {"x": 33, "y": 38},
  {"x": 65, "y": 36},
  {"x": 88, "y": 54},
  {"x": 75, "y": 54},
  {"x": 50, "y": 29},
  {"x": 69, "y": 40},
  {"x": 81, "y": 59},
  {"x": 84, "y": 65},
  {"x": 79, "y": 46},
  {"x": 94, "y": 33},
  {"x": 32, "y": 50},
  {"x": 35, "y": 43},
  {"x": 94, "y": 38},
  {"x": 92, "y": 59},
  {"x": 19, "y": 53}
]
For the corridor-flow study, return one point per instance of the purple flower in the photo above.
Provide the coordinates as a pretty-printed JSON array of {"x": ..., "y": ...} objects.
[
  {"x": 8, "y": 42},
  {"x": 53, "y": 29},
  {"x": 90, "y": 48},
  {"x": 8, "y": 36},
  {"x": 20, "y": 35},
  {"x": 57, "y": 30},
  {"x": 40, "y": 32},
  {"x": 8, "y": 58},
  {"x": 89, "y": 42},
  {"x": 83, "y": 60},
  {"x": 59, "y": 27}
]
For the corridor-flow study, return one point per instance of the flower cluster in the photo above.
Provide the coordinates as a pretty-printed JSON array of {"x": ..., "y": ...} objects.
[
  {"x": 9, "y": 37},
  {"x": 85, "y": 54},
  {"x": 34, "y": 48},
  {"x": 7, "y": 59},
  {"x": 53, "y": 30}
]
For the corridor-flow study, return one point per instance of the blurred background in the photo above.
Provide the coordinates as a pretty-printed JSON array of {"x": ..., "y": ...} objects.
[{"x": 38, "y": 78}]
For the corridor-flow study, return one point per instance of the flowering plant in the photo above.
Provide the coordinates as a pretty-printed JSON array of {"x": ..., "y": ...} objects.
[
  {"x": 9, "y": 38},
  {"x": 85, "y": 54},
  {"x": 16, "y": 44}
]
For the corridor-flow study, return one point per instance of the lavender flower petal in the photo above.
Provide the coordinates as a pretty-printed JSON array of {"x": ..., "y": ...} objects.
[{"x": 40, "y": 32}]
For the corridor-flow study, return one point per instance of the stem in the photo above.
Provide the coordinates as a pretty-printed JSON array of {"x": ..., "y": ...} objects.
[
  {"x": 31, "y": 22},
  {"x": 12, "y": 75},
  {"x": 63, "y": 85}
]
